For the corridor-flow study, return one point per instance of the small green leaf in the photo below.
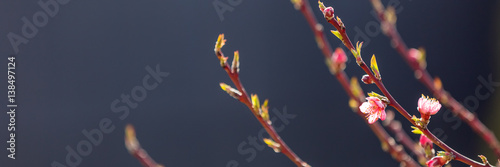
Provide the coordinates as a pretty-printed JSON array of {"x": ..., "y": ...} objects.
[
  {"x": 416, "y": 130},
  {"x": 265, "y": 104},
  {"x": 235, "y": 67},
  {"x": 223, "y": 61},
  {"x": 230, "y": 90},
  {"x": 383, "y": 98},
  {"x": 373, "y": 94},
  {"x": 441, "y": 153},
  {"x": 220, "y": 42},
  {"x": 359, "y": 45},
  {"x": 483, "y": 158},
  {"x": 271, "y": 143},
  {"x": 264, "y": 112},
  {"x": 255, "y": 103},
  {"x": 321, "y": 6},
  {"x": 374, "y": 67},
  {"x": 414, "y": 118},
  {"x": 337, "y": 34}
]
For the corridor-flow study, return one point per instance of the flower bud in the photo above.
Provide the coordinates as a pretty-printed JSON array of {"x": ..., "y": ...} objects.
[
  {"x": 271, "y": 143},
  {"x": 436, "y": 162},
  {"x": 339, "y": 56},
  {"x": 230, "y": 90},
  {"x": 328, "y": 13},
  {"x": 424, "y": 141},
  {"x": 367, "y": 79},
  {"x": 337, "y": 60},
  {"x": 427, "y": 145},
  {"x": 417, "y": 56}
]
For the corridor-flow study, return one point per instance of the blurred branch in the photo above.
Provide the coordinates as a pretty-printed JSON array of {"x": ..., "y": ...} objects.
[{"x": 135, "y": 149}]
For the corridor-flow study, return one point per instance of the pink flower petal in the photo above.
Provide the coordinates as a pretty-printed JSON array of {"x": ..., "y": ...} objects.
[
  {"x": 428, "y": 106},
  {"x": 364, "y": 108},
  {"x": 382, "y": 115},
  {"x": 372, "y": 119},
  {"x": 375, "y": 109}
]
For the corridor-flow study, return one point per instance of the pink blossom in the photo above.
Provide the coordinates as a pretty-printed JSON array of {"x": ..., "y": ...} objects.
[
  {"x": 424, "y": 141},
  {"x": 428, "y": 106},
  {"x": 436, "y": 161},
  {"x": 339, "y": 56},
  {"x": 375, "y": 109}
]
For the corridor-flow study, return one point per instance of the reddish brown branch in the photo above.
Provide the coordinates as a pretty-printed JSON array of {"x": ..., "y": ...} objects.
[
  {"x": 388, "y": 143},
  {"x": 425, "y": 78},
  {"x": 245, "y": 99},
  {"x": 392, "y": 101},
  {"x": 135, "y": 149},
  {"x": 395, "y": 150},
  {"x": 395, "y": 127}
]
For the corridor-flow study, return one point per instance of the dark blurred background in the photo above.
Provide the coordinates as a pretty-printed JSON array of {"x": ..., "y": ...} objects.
[{"x": 91, "y": 52}]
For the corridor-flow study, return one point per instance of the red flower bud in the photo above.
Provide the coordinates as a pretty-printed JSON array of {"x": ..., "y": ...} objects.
[
  {"x": 339, "y": 56},
  {"x": 337, "y": 60},
  {"x": 437, "y": 161},
  {"x": 328, "y": 13},
  {"x": 424, "y": 141},
  {"x": 367, "y": 79}
]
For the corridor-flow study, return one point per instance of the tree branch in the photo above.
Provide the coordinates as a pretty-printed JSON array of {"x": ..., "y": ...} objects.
[
  {"x": 387, "y": 141},
  {"x": 337, "y": 23},
  {"x": 425, "y": 78},
  {"x": 232, "y": 71}
]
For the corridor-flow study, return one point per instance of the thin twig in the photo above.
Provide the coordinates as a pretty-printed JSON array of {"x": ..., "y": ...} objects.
[
  {"x": 245, "y": 99},
  {"x": 388, "y": 143},
  {"x": 423, "y": 76},
  {"x": 402, "y": 137}
]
